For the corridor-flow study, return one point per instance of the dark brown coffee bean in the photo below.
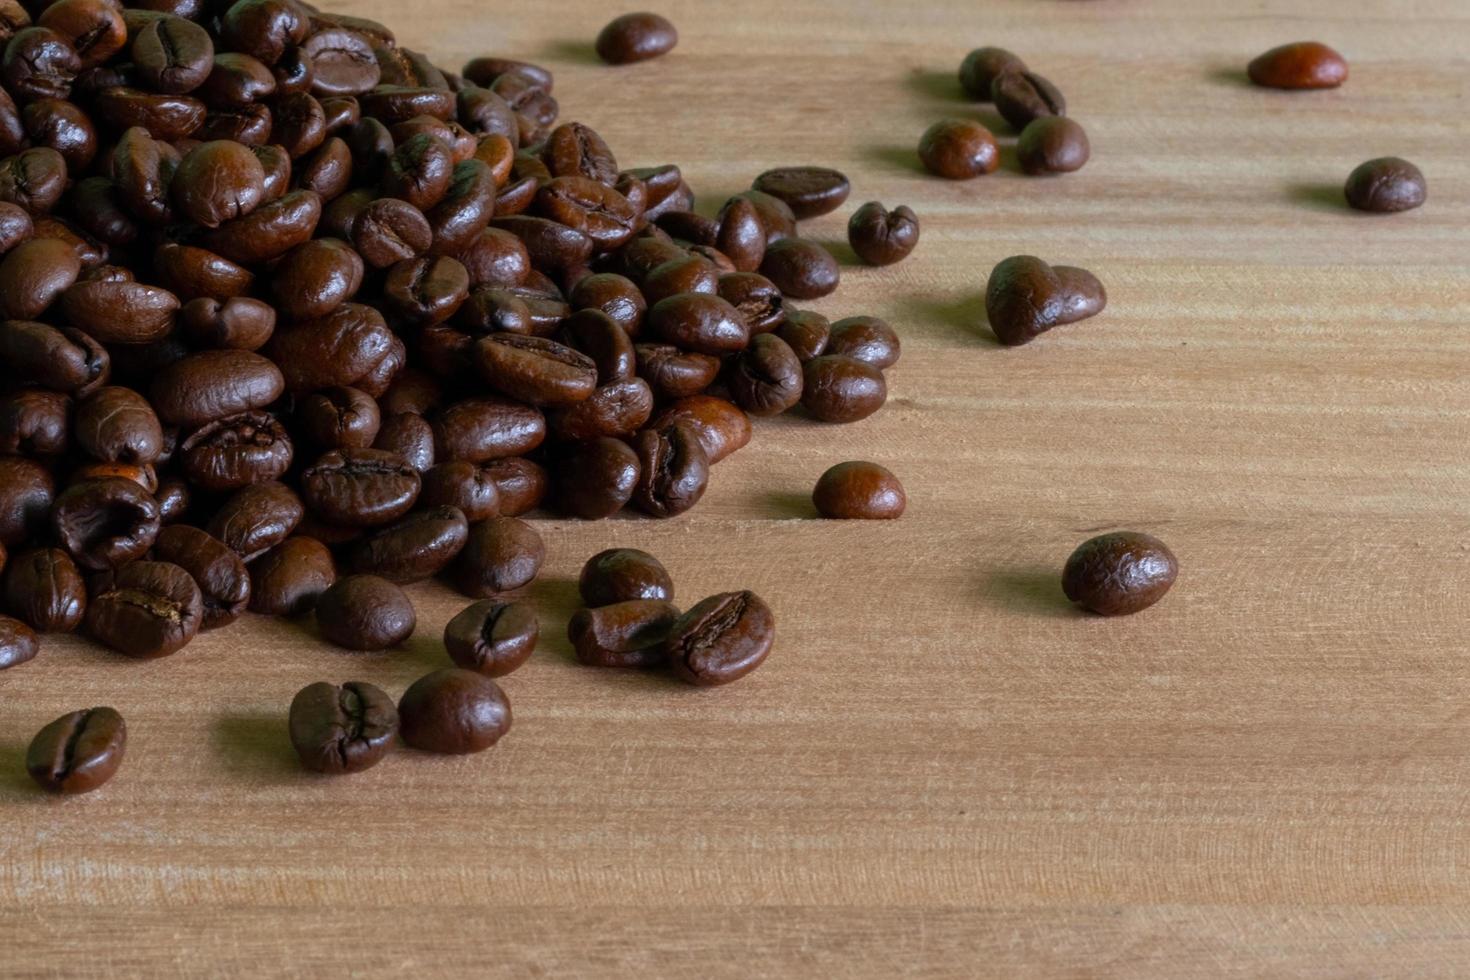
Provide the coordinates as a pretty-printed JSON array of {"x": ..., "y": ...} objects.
[
  {"x": 44, "y": 588},
  {"x": 64, "y": 359},
  {"x": 492, "y": 638},
  {"x": 15, "y": 226},
  {"x": 700, "y": 322},
  {"x": 801, "y": 269},
  {"x": 35, "y": 422},
  {"x": 622, "y": 575},
  {"x": 341, "y": 348},
  {"x": 395, "y": 103},
  {"x": 721, "y": 639},
  {"x": 550, "y": 244},
  {"x": 590, "y": 207},
  {"x": 1302, "y": 65},
  {"x": 480, "y": 429},
  {"x": 342, "y": 729},
  {"x": 152, "y": 609},
  {"x": 263, "y": 28},
  {"x": 1386, "y": 185},
  {"x": 982, "y": 67},
  {"x": 341, "y": 417},
  {"x": 958, "y": 149},
  {"x": 484, "y": 70},
  {"x": 118, "y": 425},
  {"x": 365, "y": 612},
  {"x": 595, "y": 479},
  {"x": 842, "y": 389},
  {"x": 39, "y": 63},
  {"x": 693, "y": 227},
  {"x": 408, "y": 436},
  {"x": 195, "y": 272},
  {"x": 342, "y": 62},
  {"x": 686, "y": 274},
  {"x": 741, "y": 235},
  {"x": 413, "y": 549},
  {"x": 119, "y": 311},
  {"x": 496, "y": 258},
  {"x": 256, "y": 518},
  {"x": 755, "y": 297},
  {"x": 289, "y": 578},
  {"x": 636, "y": 37},
  {"x": 426, "y": 291},
  {"x": 575, "y": 150},
  {"x": 214, "y": 384},
  {"x": 535, "y": 370},
  {"x": 105, "y": 523},
  {"x": 65, "y": 128},
  {"x": 359, "y": 487},
  {"x": 597, "y": 335},
  {"x": 462, "y": 486},
  {"x": 269, "y": 231},
  {"x": 34, "y": 274},
  {"x": 623, "y": 634},
  {"x": 236, "y": 451},
  {"x": 453, "y": 711},
  {"x": 865, "y": 338},
  {"x": 674, "y": 373},
  {"x": 95, "y": 29},
  {"x": 1119, "y": 573},
  {"x": 1025, "y": 297},
  {"x": 224, "y": 584},
  {"x": 18, "y": 643},
  {"x": 521, "y": 483},
  {"x": 78, "y": 752},
  {"x": 721, "y": 425},
  {"x": 1022, "y": 97},
  {"x": 673, "y": 470},
  {"x": 236, "y": 80},
  {"x": 1052, "y": 145},
  {"x": 327, "y": 171},
  {"x": 808, "y": 191},
  {"x": 619, "y": 409},
  {"x": 880, "y": 236},
  {"x": 766, "y": 378},
  {"x": 316, "y": 278},
  {"x": 502, "y": 554},
  {"x": 172, "y": 55},
  {"x": 859, "y": 491}
]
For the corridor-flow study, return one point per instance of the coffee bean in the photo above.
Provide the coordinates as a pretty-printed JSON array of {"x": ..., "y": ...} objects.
[
  {"x": 535, "y": 370},
  {"x": 622, "y": 575},
  {"x": 39, "y": 64},
  {"x": 809, "y": 191},
  {"x": 623, "y": 634},
  {"x": 78, "y": 752},
  {"x": 364, "y": 612},
  {"x": 741, "y": 235},
  {"x": 289, "y": 578},
  {"x": 316, "y": 278},
  {"x": 214, "y": 384},
  {"x": 1026, "y": 297},
  {"x": 806, "y": 333},
  {"x": 35, "y": 422},
  {"x": 492, "y": 638},
  {"x": 958, "y": 149},
  {"x": 151, "y": 609},
  {"x": 801, "y": 269},
  {"x": 617, "y": 409},
  {"x": 1386, "y": 185},
  {"x": 755, "y": 298},
  {"x": 173, "y": 500},
  {"x": 342, "y": 62},
  {"x": 880, "y": 236},
  {"x": 34, "y": 274},
  {"x": 1119, "y": 573},
  {"x": 341, "y": 729},
  {"x": 359, "y": 487},
  {"x": 95, "y": 29},
  {"x": 118, "y": 425},
  {"x": 224, "y": 584},
  {"x": 636, "y": 37},
  {"x": 194, "y": 272},
  {"x": 256, "y": 518},
  {"x": 766, "y": 378},
  {"x": 413, "y": 549},
  {"x": 700, "y": 322},
  {"x": 62, "y": 359},
  {"x": 521, "y": 484},
  {"x": 1052, "y": 145},
  {"x": 172, "y": 55},
  {"x": 673, "y": 373},
  {"x": 1302, "y": 65},
  {"x": 1023, "y": 96},
  {"x": 463, "y": 486},
  {"x": 590, "y": 207},
  {"x": 105, "y": 523},
  {"x": 501, "y": 554},
  {"x": 410, "y": 437},
  {"x": 721, "y": 639},
  {"x": 721, "y": 425},
  {"x": 237, "y": 451},
  {"x": 859, "y": 491},
  {"x": 597, "y": 335},
  {"x": 595, "y": 479},
  {"x": 341, "y": 418},
  {"x": 484, "y": 71},
  {"x": 18, "y": 642},
  {"x": 842, "y": 389},
  {"x": 982, "y": 67},
  {"x": 342, "y": 348},
  {"x": 673, "y": 470},
  {"x": 44, "y": 589},
  {"x": 453, "y": 711},
  {"x": 480, "y": 429},
  {"x": 119, "y": 311},
  {"x": 865, "y": 338}
]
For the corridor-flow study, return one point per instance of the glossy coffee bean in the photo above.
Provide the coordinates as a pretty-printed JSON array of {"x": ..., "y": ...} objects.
[
  {"x": 865, "y": 338},
  {"x": 192, "y": 272},
  {"x": 699, "y": 322},
  {"x": 721, "y": 425},
  {"x": 342, "y": 348},
  {"x": 983, "y": 66},
  {"x": 806, "y": 333},
  {"x": 413, "y": 549},
  {"x": 105, "y": 523},
  {"x": 1052, "y": 145},
  {"x": 521, "y": 484},
  {"x": 34, "y": 274},
  {"x": 118, "y": 425},
  {"x": 359, "y": 487},
  {"x": 1119, "y": 573},
  {"x": 674, "y": 373},
  {"x": 390, "y": 230},
  {"x": 316, "y": 278},
  {"x": 224, "y": 584},
  {"x": 492, "y": 638},
  {"x": 118, "y": 311},
  {"x": 462, "y": 486},
  {"x": 859, "y": 491},
  {"x": 18, "y": 643},
  {"x": 172, "y": 55},
  {"x": 62, "y": 359},
  {"x": 342, "y": 729},
  {"x": 1023, "y": 96},
  {"x": 502, "y": 554},
  {"x": 741, "y": 235},
  {"x": 173, "y": 499},
  {"x": 238, "y": 323},
  {"x": 636, "y": 37},
  {"x": 365, "y": 612},
  {"x": 35, "y": 422},
  {"x": 408, "y": 436},
  {"x": 95, "y": 28},
  {"x": 673, "y": 470},
  {"x": 624, "y": 634},
  {"x": 1025, "y": 297},
  {"x": 842, "y": 389},
  {"x": 26, "y": 493},
  {"x": 39, "y": 63},
  {"x": 78, "y": 752},
  {"x": 622, "y": 575},
  {"x": 256, "y": 518},
  {"x": 453, "y": 711},
  {"x": 766, "y": 378},
  {"x": 535, "y": 370},
  {"x": 44, "y": 589},
  {"x": 958, "y": 149},
  {"x": 214, "y": 384},
  {"x": 685, "y": 274},
  {"x": 1302, "y": 65},
  {"x": 289, "y": 578},
  {"x": 880, "y": 236},
  {"x": 1386, "y": 185},
  {"x": 340, "y": 418},
  {"x": 595, "y": 479},
  {"x": 236, "y": 451},
  {"x": 808, "y": 191},
  {"x": 151, "y": 609},
  {"x": 755, "y": 298},
  {"x": 721, "y": 639},
  {"x": 801, "y": 269}
]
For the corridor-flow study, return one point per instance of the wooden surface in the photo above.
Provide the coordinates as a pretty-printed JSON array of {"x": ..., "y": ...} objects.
[{"x": 942, "y": 770}]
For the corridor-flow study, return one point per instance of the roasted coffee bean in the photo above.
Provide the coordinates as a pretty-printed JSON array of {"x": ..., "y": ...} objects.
[
  {"x": 250, "y": 125},
  {"x": 359, "y": 487},
  {"x": 95, "y": 29},
  {"x": 590, "y": 207},
  {"x": 801, "y": 269},
  {"x": 521, "y": 484},
  {"x": 365, "y": 612},
  {"x": 172, "y": 55},
  {"x": 1302, "y": 65},
  {"x": 16, "y": 226},
  {"x": 118, "y": 425},
  {"x": 859, "y": 491},
  {"x": 453, "y": 711},
  {"x": 551, "y": 244},
  {"x": 192, "y": 272},
  {"x": 622, "y": 575},
  {"x": 766, "y": 378},
  {"x": 26, "y": 491},
  {"x": 806, "y": 333},
  {"x": 597, "y": 335},
  {"x": 35, "y": 422},
  {"x": 235, "y": 80},
  {"x": 673, "y": 469},
  {"x": 44, "y": 588},
  {"x": 1119, "y": 573},
  {"x": 316, "y": 278},
  {"x": 624, "y": 634},
  {"x": 289, "y": 578},
  {"x": 144, "y": 476},
  {"x": 340, "y": 418},
  {"x": 34, "y": 179},
  {"x": 502, "y": 554},
  {"x": 1023, "y": 96},
  {"x": 495, "y": 257},
  {"x": 462, "y": 215},
  {"x": 34, "y": 274},
  {"x": 700, "y": 322},
  {"x": 269, "y": 231},
  {"x": 1026, "y": 297},
  {"x": 636, "y": 37},
  {"x": 594, "y": 479},
  {"x": 958, "y": 149},
  {"x": 236, "y": 451},
  {"x": 755, "y": 297},
  {"x": 880, "y": 236},
  {"x": 152, "y": 609},
  {"x": 18, "y": 642},
  {"x": 721, "y": 425},
  {"x": 809, "y": 191},
  {"x": 412, "y": 391},
  {"x": 426, "y": 291},
  {"x": 419, "y": 171},
  {"x": 865, "y": 338},
  {"x": 1052, "y": 145},
  {"x": 105, "y": 523},
  {"x": 39, "y": 63},
  {"x": 78, "y": 752},
  {"x": 575, "y": 150},
  {"x": 256, "y": 518},
  {"x": 492, "y": 309},
  {"x": 63, "y": 127},
  {"x": 842, "y": 389},
  {"x": 408, "y": 436},
  {"x": 721, "y": 639},
  {"x": 619, "y": 408},
  {"x": 341, "y": 348},
  {"x": 535, "y": 370},
  {"x": 741, "y": 235},
  {"x": 686, "y": 274},
  {"x": 263, "y": 28},
  {"x": 492, "y": 638},
  {"x": 692, "y": 227},
  {"x": 675, "y": 373},
  {"x": 342, "y": 729},
  {"x": 119, "y": 311},
  {"x": 982, "y": 67},
  {"x": 413, "y": 549},
  {"x": 461, "y": 486},
  {"x": 327, "y": 171},
  {"x": 214, "y": 384},
  {"x": 479, "y": 429},
  {"x": 484, "y": 71},
  {"x": 173, "y": 500},
  {"x": 1386, "y": 185},
  {"x": 224, "y": 584}
]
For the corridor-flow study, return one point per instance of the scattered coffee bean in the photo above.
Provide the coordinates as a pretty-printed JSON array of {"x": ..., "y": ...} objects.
[
  {"x": 1119, "y": 573},
  {"x": 801, "y": 269},
  {"x": 1302, "y": 65},
  {"x": 341, "y": 729},
  {"x": 621, "y": 575},
  {"x": 880, "y": 236},
  {"x": 636, "y": 37},
  {"x": 859, "y": 491},
  {"x": 842, "y": 389},
  {"x": 1026, "y": 297},
  {"x": 982, "y": 67},
  {"x": 1386, "y": 185},
  {"x": 453, "y": 711},
  {"x": 1052, "y": 145},
  {"x": 492, "y": 638},
  {"x": 721, "y": 639},
  {"x": 1023, "y": 96},
  {"x": 865, "y": 338},
  {"x": 413, "y": 549},
  {"x": 625, "y": 634},
  {"x": 958, "y": 149},
  {"x": 365, "y": 612},
  {"x": 809, "y": 191},
  {"x": 78, "y": 752}
]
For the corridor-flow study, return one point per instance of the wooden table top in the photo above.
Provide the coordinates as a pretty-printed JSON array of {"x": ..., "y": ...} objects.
[{"x": 942, "y": 770}]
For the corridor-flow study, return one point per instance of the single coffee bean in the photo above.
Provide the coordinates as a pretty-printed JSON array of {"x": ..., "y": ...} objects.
[
  {"x": 18, "y": 642},
  {"x": 118, "y": 425},
  {"x": 453, "y": 711},
  {"x": 700, "y": 322},
  {"x": 865, "y": 338},
  {"x": 1052, "y": 145},
  {"x": 44, "y": 589},
  {"x": 722, "y": 426},
  {"x": 673, "y": 373},
  {"x": 408, "y": 436},
  {"x": 365, "y": 612},
  {"x": 686, "y": 274},
  {"x": 623, "y": 634},
  {"x": 1119, "y": 573},
  {"x": 636, "y": 37},
  {"x": 340, "y": 418},
  {"x": 192, "y": 272},
  {"x": 595, "y": 479},
  {"x": 621, "y": 575},
  {"x": 289, "y": 578},
  {"x": 344, "y": 347},
  {"x": 119, "y": 311},
  {"x": 741, "y": 235},
  {"x": 413, "y": 549},
  {"x": 842, "y": 389},
  {"x": 214, "y": 384},
  {"x": 78, "y": 752},
  {"x": 463, "y": 486},
  {"x": 359, "y": 487},
  {"x": 62, "y": 359},
  {"x": 809, "y": 191},
  {"x": 982, "y": 67},
  {"x": 35, "y": 422},
  {"x": 859, "y": 491},
  {"x": 806, "y": 333},
  {"x": 521, "y": 484},
  {"x": 34, "y": 274},
  {"x": 492, "y": 638},
  {"x": 152, "y": 609},
  {"x": 1023, "y": 96},
  {"x": 256, "y": 518},
  {"x": 316, "y": 278},
  {"x": 236, "y": 451},
  {"x": 1026, "y": 297},
  {"x": 673, "y": 470},
  {"x": 96, "y": 30},
  {"x": 502, "y": 554},
  {"x": 766, "y": 378},
  {"x": 755, "y": 298},
  {"x": 721, "y": 639},
  {"x": 224, "y": 584},
  {"x": 484, "y": 70},
  {"x": 342, "y": 62},
  {"x": 480, "y": 429},
  {"x": 105, "y": 523},
  {"x": 597, "y": 335},
  {"x": 1386, "y": 185},
  {"x": 880, "y": 236},
  {"x": 535, "y": 370},
  {"x": 958, "y": 149},
  {"x": 172, "y": 55},
  {"x": 341, "y": 729},
  {"x": 1302, "y": 65}
]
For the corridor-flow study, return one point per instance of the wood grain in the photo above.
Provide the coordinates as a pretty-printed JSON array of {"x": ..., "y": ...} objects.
[{"x": 942, "y": 770}]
